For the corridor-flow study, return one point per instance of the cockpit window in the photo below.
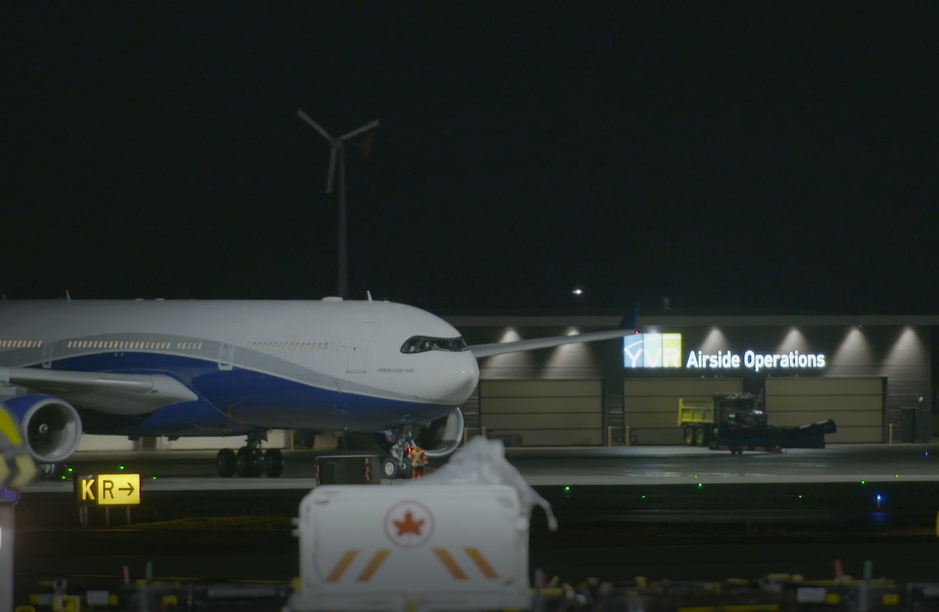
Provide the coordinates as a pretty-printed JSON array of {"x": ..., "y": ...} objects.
[{"x": 420, "y": 344}]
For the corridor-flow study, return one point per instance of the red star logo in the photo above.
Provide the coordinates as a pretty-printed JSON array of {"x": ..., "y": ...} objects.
[{"x": 409, "y": 525}]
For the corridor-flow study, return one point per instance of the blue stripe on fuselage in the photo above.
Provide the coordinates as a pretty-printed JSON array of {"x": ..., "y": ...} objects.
[{"x": 238, "y": 400}]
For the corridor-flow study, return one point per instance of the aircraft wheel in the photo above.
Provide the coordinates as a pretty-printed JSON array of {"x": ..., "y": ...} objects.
[
  {"x": 405, "y": 469},
  {"x": 389, "y": 468},
  {"x": 245, "y": 463},
  {"x": 259, "y": 462},
  {"x": 274, "y": 463},
  {"x": 700, "y": 436},
  {"x": 689, "y": 436},
  {"x": 225, "y": 463},
  {"x": 52, "y": 471}
]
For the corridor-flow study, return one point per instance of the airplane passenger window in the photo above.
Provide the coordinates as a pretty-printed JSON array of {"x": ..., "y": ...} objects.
[{"x": 421, "y": 344}]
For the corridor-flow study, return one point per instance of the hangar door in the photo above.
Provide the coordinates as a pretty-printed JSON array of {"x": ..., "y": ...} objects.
[
  {"x": 650, "y": 405},
  {"x": 543, "y": 412},
  {"x": 855, "y": 404}
]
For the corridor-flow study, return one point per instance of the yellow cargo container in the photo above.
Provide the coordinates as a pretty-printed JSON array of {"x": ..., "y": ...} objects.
[{"x": 696, "y": 420}]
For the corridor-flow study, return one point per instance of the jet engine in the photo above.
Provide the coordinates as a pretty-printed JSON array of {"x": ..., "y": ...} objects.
[
  {"x": 51, "y": 427},
  {"x": 442, "y": 437}
]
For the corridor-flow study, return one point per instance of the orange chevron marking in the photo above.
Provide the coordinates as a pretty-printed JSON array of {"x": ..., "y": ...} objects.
[
  {"x": 342, "y": 566},
  {"x": 450, "y": 564},
  {"x": 481, "y": 563},
  {"x": 373, "y": 565}
]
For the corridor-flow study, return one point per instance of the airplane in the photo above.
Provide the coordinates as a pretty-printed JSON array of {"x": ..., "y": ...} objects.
[{"x": 179, "y": 368}]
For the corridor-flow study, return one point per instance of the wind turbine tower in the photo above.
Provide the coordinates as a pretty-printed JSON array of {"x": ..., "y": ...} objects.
[{"x": 338, "y": 145}]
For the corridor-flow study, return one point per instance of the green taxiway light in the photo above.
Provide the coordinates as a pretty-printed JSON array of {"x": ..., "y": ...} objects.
[
  {"x": 800, "y": 497},
  {"x": 153, "y": 478},
  {"x": 863, "y": 482},
  {"x": 566, "y": 489},
  {"x": 70, "y": 470},
  {"x": 700, "y": 484},
  {"x": 643, "y": 497},
  {"x": 120, "y": 467}
]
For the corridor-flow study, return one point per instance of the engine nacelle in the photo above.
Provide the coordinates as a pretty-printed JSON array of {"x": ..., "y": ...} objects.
[
  {"x": 443, "y": 436},
  {"x": 50, "y": 426}
]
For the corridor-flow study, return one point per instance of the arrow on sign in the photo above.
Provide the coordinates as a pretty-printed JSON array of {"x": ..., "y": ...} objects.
[{"x": 118, "y": 489}]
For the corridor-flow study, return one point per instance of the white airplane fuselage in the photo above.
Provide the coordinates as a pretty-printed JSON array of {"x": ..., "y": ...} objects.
[{"x": 250, "y": 365}]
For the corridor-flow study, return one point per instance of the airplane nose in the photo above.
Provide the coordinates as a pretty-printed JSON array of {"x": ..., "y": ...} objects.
[{"x": 454, "y": 385}]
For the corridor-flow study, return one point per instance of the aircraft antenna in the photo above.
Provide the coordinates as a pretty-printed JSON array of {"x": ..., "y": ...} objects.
[
  {"x": 369, "y": 294},
  {"x": 68, "y": 298},
  {"x": 338, "y": 145}
]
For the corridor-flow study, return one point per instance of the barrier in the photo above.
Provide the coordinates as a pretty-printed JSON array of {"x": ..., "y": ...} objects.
[{"x": 347, "y": 469}]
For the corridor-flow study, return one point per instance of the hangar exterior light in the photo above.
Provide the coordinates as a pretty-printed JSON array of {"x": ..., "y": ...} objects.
[
  {"x": 794, "y": 341},
  {"x": 854, "y": 350},
  {"x": 578, "y": 291},
  {"x": 715, "y": 341}
]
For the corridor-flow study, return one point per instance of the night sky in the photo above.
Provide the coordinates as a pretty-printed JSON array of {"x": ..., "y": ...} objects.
[{"x": 745, "y": 156}]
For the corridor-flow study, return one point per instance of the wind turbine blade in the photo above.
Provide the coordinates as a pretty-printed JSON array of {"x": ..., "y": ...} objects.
[
  {"x": 316, "y": 127},
  {"x": 332, "y": 168},
  {"x": 357, "y": 131}
]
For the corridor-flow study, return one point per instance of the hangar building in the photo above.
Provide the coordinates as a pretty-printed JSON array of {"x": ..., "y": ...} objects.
[{"x": 871, "y": 374}]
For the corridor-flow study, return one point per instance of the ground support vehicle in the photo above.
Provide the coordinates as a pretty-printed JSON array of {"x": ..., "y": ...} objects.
[{"x": 737, "y": 422}]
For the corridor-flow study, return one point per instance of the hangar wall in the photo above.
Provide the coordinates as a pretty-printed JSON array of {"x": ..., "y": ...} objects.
[{"x": 876, "y": 381}]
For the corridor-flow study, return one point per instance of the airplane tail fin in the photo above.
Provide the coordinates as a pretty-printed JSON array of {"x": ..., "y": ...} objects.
[{"x": 631, "y": 323}]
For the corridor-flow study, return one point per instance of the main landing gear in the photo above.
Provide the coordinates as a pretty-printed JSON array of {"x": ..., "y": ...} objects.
[
  {"x": 398, "y": 465},
  {"x": 250, "y": 460}
]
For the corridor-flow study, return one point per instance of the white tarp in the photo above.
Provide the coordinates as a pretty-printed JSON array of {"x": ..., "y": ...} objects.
[{"x": 482, "y": 461}]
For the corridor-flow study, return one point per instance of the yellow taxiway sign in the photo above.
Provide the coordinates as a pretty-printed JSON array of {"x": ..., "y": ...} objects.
[{"x": 108, "y": 489}]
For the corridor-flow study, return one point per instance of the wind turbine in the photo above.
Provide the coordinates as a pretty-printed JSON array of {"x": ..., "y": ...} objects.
[{"x": 338, "y": 144}]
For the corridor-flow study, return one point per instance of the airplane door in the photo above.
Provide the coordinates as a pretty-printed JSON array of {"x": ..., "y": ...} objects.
[
  {"x": 226, "y": 356},
  {"x": 359, "y": 350},
  {"x": 47, "y": 354}
]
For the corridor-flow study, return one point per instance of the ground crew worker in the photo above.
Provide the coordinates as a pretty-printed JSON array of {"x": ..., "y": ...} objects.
[{"x": 418, "y": 459}]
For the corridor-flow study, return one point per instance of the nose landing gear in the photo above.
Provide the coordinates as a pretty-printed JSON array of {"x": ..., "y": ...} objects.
[
  {"x": 250, "y": 461},
  {"x": 398, "y": 464}
]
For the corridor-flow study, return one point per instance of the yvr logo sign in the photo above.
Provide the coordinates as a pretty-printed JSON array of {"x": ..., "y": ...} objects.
[{"x": 652, "y": 351}]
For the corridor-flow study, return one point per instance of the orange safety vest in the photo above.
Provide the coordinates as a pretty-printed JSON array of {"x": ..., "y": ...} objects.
[{"x": 418, "y": 457}]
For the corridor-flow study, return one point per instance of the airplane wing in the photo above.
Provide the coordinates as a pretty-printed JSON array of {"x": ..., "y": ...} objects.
[
  {"x": 123, "y": 394},
  {"x": 497, "y": 348}
]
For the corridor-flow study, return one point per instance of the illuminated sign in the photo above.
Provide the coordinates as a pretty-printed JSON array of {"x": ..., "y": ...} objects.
[
  {"x": 664, "y": 351},
  {"x": 108, "y": 489},
  {"x": 726, "y": 360},
  {"x": 652, "y": 351}
]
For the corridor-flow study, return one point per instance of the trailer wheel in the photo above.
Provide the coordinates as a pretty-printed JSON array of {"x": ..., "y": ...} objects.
[
  {"x": 689, "y": 436},
  {"x": 700, "y": 436}
]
